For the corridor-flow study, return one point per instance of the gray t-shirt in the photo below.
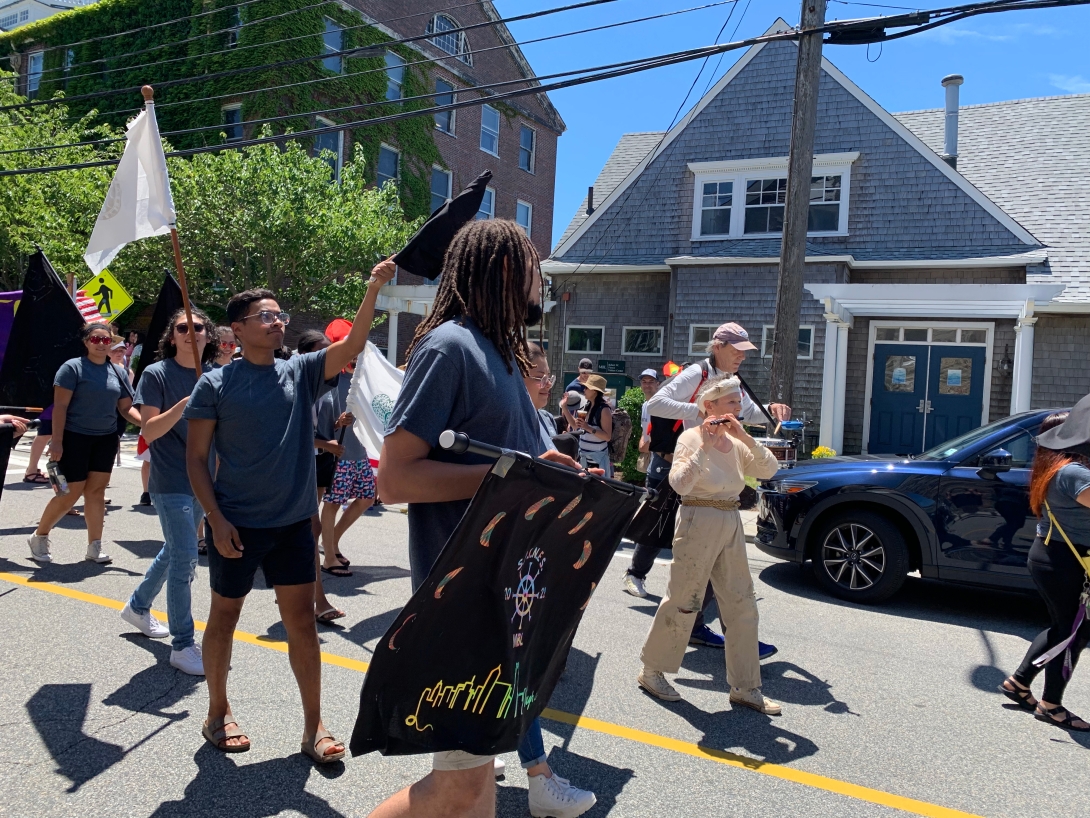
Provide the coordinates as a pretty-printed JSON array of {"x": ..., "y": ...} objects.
[
  {"x": 264, "y": 437},
  {"x": 96, "y": 389},
  {"x": 353, "y": 446},
  {"x": 162, "y": 385},
  {"x": 325, "y": 415},
  {"x": 1073, "y": 517},
  {"x": 457, "y": 380}
]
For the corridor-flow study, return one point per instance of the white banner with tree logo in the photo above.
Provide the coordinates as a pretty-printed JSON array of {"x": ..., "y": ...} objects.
[{"x": 376, "y": 384}]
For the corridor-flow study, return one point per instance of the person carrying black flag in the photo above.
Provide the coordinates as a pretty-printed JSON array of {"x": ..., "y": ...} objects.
[{"x": 465, "y": 371}]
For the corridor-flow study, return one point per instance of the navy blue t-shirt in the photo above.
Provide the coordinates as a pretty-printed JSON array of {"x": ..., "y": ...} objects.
[
  {"x": 457, "y": 380},
  {"x": 96, "y": 389},
  {"x": 264, "y": 437}
]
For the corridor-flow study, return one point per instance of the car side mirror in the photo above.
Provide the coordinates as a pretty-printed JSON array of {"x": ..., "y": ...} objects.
[{"x": 995, "y": 462}]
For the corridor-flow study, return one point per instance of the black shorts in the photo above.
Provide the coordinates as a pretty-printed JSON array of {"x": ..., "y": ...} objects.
[
  {"x": 45, "y": 426},
  {"x": 87, "y": 453},
  {"x": 325, "y": 465},
  {"x": 284, "y": 553}
]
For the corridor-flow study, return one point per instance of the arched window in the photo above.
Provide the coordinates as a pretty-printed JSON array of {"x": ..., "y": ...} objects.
[{"x": 445, "y": 36}]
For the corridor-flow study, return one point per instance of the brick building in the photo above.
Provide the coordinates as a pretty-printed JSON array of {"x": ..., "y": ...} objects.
[{"x": 947, "y": 273}]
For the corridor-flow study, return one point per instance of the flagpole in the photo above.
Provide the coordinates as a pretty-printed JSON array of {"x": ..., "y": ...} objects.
[{"x": 149, "y": 99}]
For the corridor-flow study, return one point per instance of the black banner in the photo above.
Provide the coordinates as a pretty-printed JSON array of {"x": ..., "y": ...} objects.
[
  {"x": 473, "y": 657},
  {"x": 44, "y": 334},
  {"x": 169, "y": 302}
]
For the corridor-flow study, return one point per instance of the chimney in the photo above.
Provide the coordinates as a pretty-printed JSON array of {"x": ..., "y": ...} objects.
[
  {"x": 950, "y": 145},
  {"x": 590, "y": 200}
]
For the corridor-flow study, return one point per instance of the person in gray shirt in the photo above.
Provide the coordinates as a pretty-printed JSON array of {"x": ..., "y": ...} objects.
[
  {"x": 259, "y": 410},
  {"x": 161, "y": 397}
]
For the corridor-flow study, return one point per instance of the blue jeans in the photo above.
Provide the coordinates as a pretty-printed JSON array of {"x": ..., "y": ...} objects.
[
  {"x": 590, "y": 460},
  {"x": 532, "y": 747},
  {"x": 175, "y": 566}
]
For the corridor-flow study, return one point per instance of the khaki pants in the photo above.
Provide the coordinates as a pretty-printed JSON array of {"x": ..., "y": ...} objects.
[{"x": 708, "y": 543}]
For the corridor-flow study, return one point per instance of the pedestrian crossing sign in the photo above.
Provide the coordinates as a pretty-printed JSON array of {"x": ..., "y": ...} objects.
[{"x": 111, "y": 298}]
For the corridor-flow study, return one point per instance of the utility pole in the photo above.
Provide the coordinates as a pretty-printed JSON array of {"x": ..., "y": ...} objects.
[{"x": 800, "y": 166}]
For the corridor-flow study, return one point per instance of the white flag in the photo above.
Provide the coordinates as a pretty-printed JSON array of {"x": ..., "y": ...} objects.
[
  {"x": 376, "y": 383},
  {"x": 138, "y": 203}
]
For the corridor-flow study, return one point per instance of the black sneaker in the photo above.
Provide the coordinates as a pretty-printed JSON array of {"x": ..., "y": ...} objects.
[{"x": 145, "y": 499}]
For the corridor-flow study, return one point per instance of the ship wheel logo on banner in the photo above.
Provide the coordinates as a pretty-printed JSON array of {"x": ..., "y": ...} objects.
[{"x": 530, "y": 568}]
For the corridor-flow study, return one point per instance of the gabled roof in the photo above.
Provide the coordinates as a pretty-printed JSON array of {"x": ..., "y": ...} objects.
[
  {"x": 581, "y": 223},
  {"x": 1032, "y": 157}
]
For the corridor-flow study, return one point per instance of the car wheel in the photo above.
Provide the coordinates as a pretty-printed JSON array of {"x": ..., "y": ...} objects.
[{"x": 860, "y": 556}]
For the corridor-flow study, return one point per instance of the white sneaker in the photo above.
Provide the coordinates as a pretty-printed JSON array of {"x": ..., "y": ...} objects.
[
  {"x": 188, "y": 661},
  {"x": 39, "y": 548},
  {"x": 145, "y": 623},
  {"x": 556, "y": 798},
  {"x": 94, "y": 553},
  {"x": 499, "y": 766},
  {"x": 755, "y": 700},
  {"x": 654, "y": 682},
  {"x": 633, "y": 585}
]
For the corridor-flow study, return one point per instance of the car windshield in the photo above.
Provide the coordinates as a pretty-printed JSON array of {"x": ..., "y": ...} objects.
[{"x": 951, "y": 448}]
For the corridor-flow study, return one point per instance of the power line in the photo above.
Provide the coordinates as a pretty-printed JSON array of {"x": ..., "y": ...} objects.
[
  {"x": 219, "y": 126},
  {"x": 370, "y": 50}
]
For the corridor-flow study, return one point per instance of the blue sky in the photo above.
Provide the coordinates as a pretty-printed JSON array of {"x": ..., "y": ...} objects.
[{"x": 1002, "y": 56}]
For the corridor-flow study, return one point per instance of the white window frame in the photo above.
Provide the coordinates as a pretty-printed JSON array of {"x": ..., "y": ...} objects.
[
  {"x": 499, "y": 127},
  {"x": 491, "y": 213},
  {"x": 533, "y": 149},
  {"x": 567, "y": 340},
  {"x": 662, "y": 342},
  {"x": 740, "y": 171},
  {"x": 326, "y": 49},
  {"x": 234, "y": 106},
  {"x": 450, "y": 182},
  {"x": 529, "y": 226},
  {"x": 461, "y": 51},
  {"x": 326, "y": 123},
  {"x": 32, "y": 75},
  {"x": 397, "y": 176},
  {"x": 451, "y": 113},
  {"x": 766, "y": 341},
  {"x": 692, "y": 342},
  {"x": 390, "y": 81}
]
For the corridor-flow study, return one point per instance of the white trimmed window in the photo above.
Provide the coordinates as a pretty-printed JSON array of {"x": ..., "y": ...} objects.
[
  {"x": 524, "y": 216},
  {"x": 488, "y": 205},
  {"x": 235, "y": 19},
  {"x": 700, "y": 335},
  {"x": 9, "y": 21},
  {"x": 527, "y": 148},
  {"x": 490, "y": 130},
  {"x": 331, "y": 141},
  {"x": 440, "y": 187},
  {"x": 806, "y": 341},
  {"x": 34, "y": 73},
  {"x": 746, "y": 198},
  {"x": 444, "y": 95},
  {"x": 585, "y": 339},
  {"x": 389, "y": 165},
  {"x": 446, "y": 38},
  {"x": 395, "y": 75},
  {"x": 641, "y": 340},
  {"x": 332, "y": 43},
  {"x": 231, "y": 117}
]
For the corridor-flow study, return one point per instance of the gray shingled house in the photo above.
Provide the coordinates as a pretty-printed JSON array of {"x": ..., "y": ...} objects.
[{"x": 948, "y": 271}]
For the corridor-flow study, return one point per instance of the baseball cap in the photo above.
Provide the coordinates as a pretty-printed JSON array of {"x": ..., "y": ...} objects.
[
  {"x": 572, "y": 399},
  {"x": 649, "y": 373},
  {"x": 734, "y": 335},
  {"x": 585, "y": 363},
  {"x": 118, "y": 345}
]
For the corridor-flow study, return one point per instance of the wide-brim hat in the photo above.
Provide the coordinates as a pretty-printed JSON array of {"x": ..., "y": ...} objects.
[
  {"x": 597, "y": 383},
  {"x": 1074, "y": 431}
]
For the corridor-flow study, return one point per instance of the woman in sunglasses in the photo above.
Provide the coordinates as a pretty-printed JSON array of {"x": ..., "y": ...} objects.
[
  {"x": 226, "y": 348},
  {"x": 88, "y": 392}
]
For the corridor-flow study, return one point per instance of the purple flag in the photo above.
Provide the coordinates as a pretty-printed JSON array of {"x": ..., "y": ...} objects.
[{"x": 8, "y": 303}]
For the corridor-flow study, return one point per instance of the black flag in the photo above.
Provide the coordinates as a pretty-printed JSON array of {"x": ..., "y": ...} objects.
[
  {"x": 423, "y": 255},
  {"x": 473, "y": 657},
  {"x": 44, "y": 334},
  {"x": 169, "y": 302}
]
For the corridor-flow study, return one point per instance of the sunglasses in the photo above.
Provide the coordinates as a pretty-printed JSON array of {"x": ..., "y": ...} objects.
[
  {"x": 227, "y": 344},
  {"x": 101, "y": 340},
  {"x": 545, "y": 381},
  {"x": 268, "y": 316},
  {"x": 182, "y": 329}
]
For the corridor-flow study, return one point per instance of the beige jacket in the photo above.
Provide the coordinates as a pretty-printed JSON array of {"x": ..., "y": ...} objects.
[{"x": 714, "y": 475}]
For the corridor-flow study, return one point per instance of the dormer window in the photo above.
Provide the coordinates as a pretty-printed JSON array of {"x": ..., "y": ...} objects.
[{"x": 447, "y": 37}]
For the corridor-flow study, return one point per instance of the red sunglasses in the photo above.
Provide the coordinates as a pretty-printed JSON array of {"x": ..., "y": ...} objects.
[{"x": 101, "y": 340}]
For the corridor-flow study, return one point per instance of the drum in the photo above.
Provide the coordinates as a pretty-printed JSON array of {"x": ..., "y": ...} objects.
[{"x": 784, "y": 450}]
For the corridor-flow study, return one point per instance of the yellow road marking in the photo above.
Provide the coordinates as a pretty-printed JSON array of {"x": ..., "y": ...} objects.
[{"x": 796, "y": 776}]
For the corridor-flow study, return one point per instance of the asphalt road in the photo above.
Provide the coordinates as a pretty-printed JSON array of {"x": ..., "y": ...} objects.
[{"x": 887, "y": 711}]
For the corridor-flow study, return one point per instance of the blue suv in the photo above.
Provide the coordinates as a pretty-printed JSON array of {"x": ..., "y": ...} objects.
[{"x": 959, "y": 512}]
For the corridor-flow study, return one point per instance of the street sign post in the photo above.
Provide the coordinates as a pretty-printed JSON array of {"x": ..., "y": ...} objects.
[{"x": 111, "y": 298}]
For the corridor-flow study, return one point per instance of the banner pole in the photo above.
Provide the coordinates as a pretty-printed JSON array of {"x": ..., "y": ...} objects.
[{"x": 149, "y": 99}]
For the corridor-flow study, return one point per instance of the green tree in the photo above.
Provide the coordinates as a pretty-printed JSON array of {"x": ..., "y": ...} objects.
[{"x": 632, "y": 402}]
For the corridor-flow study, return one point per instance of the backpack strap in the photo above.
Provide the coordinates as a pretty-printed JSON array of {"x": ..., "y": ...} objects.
[
  {"x": 703, "y": 377},
  {"x": 1054, "y": 523}
]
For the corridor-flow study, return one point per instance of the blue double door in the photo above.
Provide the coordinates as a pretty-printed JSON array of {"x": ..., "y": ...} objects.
[{"x": 923, "y": 395}]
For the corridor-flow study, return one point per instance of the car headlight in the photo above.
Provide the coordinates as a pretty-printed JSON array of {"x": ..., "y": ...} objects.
[{"x": 790, "y": 486}]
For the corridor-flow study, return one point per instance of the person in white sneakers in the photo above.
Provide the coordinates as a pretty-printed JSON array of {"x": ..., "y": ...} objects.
[
  {"x": 88, "y": 392},
  {"x": 161, "y": 397}
]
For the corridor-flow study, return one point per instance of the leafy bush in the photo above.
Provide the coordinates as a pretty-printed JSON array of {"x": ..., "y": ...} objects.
[{"x": 632, "y": 402}]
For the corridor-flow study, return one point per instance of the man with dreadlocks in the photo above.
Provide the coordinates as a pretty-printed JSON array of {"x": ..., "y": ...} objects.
[{"x": 465, "y": 372}]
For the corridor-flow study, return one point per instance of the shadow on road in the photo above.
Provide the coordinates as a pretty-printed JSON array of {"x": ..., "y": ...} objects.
[
  {"x": 157, "y": 687},
  {"x": 362, "y": 576},
  {"x": 145, "y": 549},
  {"x": 58, "y": 712}
]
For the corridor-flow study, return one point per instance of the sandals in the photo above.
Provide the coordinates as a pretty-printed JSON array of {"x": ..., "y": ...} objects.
[
  {"x": 328, "y": 617},
  {"x": 1047, "y": 715},
  {"x": 343, "y": 560},
  {"x": 337, "y": 571},
  {"x": 202, "y": 546},
  {"x": 310, "y": 748},
  {"x": 1021, "y": 696},
  {"x": 38, "y": 479},
  {"x": 219, "y": 730}
]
